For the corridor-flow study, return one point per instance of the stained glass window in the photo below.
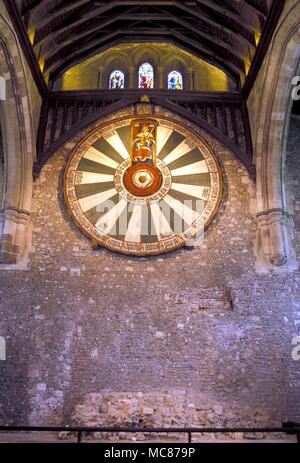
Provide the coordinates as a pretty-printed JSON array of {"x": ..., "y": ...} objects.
[
  {"x": 175, "y": 81},
  {"x": 116, "y": 80},
  {"x": 146, "y": 76}
]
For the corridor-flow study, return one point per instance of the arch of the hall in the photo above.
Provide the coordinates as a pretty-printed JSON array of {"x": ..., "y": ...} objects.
[
  {"x": 18, "y": 148},
  {"x": 270, "y": 107}
]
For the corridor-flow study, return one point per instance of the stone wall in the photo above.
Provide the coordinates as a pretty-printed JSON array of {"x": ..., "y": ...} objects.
[
  {"x": 164, "y": 408},
  {"x": 81, "y": 322},
  {"x": 292, "y": 179}
]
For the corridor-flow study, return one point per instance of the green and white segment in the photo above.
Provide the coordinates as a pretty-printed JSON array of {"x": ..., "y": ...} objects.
[{"x": 147, "y": 223}]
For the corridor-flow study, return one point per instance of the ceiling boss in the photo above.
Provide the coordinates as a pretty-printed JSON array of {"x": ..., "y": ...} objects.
[{"x": 143, "y": 185}]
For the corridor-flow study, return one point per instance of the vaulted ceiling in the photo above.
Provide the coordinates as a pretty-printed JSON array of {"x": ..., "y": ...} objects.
[{"x": 224, "y": 33}]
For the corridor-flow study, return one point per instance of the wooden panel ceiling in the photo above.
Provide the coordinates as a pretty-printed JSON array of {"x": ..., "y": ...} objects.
[{"x": 224, "y": 33}]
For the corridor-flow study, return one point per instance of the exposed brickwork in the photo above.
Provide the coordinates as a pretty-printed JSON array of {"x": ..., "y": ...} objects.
[{"x": 81, "y": 321}]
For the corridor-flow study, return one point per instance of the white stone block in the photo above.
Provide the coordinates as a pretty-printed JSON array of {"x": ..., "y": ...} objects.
[
  {"x": 218, "y": 409},
  {"x": 42, "y": 387},
  {"x": 75, "y": 272},
  {"x": 148, "y": 411},
  {"x": 94, "y": 353}
]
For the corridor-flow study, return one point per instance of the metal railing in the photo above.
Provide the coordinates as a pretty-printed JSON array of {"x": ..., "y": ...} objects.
[{"x": 289, "y": 427}]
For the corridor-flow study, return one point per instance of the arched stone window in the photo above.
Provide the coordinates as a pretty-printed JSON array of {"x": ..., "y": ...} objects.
[
  {"x": 116, "y": 80},
  {"x": 175, "y": 80},
  {"x": 146, "y": 76}
]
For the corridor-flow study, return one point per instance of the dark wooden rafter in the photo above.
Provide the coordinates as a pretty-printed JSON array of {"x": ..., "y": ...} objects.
[
  {"x": 274, "y": 15},
  {"x": 62, "y": 35},
  {"x": 258, "y": 5},
  {"x": 221, "y": 32},
  {"x": 111, "y": 6},
  {"x": 80, "y": 52},
  {"x": 155, "y": 17}
]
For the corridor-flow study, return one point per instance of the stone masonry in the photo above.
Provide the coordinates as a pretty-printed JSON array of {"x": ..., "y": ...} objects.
[{"x": 82, "y": 324}]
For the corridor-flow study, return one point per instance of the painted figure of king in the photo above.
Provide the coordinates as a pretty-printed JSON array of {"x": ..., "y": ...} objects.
[{"x": 143, "y": 145}]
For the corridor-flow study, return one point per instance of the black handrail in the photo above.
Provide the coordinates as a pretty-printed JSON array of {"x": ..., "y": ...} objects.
[{"x": 288, "y": 427}]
